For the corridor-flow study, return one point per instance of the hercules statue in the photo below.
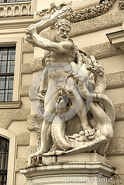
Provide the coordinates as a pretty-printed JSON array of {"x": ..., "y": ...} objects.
[{"x": 77, "y": 116}]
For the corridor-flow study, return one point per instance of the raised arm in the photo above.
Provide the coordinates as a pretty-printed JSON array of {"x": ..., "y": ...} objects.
[
  {"x": 43, "y": 24},
  {"x": 61, "y": 47}
]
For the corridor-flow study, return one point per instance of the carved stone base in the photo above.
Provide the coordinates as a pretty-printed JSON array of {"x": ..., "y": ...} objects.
[{"x": 70, "y": 170}]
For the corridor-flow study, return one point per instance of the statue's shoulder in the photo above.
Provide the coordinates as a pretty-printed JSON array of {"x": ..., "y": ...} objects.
[{"x": 68, "y": 44}]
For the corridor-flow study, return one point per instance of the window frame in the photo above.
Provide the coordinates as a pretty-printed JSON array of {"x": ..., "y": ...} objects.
[
  {"x": 4, "y": 152},
  {"x": 17, "y": 42},
  {"x": 11, "y": 155},
  {"x": 7, "y": 74}
]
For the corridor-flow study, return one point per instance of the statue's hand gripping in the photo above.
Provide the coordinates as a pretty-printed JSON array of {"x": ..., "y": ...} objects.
[{"x": 31, "y": 30}]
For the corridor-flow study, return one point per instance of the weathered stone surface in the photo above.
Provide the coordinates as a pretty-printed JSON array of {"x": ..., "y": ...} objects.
[
  {"x": 20, "y": 163},
  {"x": 117, "y": 180},
  {"x": 23, "y": 139},
  {"x": 6, "y": 117},
  {"x": 30, "y": 150},
  {"x": 115, "y": 80},
  {"x": 35, "y": 66},
  {"x": 119, "y": 111},
  {"x": 33, "y": 122},
  {"x": 27, "y": 48},
  {"x": 116, "y": 147},
  {"x": 26, "y": 68},
  {"x": 24, "y": 91},
  {"x": 102, "y": 50},
  {"x": 119, "y": 129}
]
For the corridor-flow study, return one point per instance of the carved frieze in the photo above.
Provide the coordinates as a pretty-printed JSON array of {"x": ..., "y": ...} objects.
[
  {"x": 15, "y": 9},
  {"x": 79, "y": 15}
]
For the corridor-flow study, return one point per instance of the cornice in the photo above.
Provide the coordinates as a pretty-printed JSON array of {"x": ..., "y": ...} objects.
[
  {"x": 15, "y": 9},
  {"x": 117, "y": 39}
]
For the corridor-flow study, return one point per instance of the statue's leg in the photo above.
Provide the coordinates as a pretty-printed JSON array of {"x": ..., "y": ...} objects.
[
  {"x": 80, "y": 107},
  {"x": 45, "y": 137}
]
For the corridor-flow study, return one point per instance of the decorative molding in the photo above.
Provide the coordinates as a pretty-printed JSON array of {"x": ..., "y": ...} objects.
[
  {"x": 15, "y": 9},
  {"x": 91, "y": 12},
  {"x": 60, "y": 169},
  {"x": 117, "y": 39},
  {"x": 79, "y": 15},
  {"x": 121, "y": 4},
  {"x": 10, "y": 105}
]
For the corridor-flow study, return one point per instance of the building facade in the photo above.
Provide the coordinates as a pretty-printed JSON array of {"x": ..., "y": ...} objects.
[{"x": 97, "y": 29}]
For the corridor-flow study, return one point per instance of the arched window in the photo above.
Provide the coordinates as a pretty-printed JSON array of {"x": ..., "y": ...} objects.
[{"x": 4, "y": 149}]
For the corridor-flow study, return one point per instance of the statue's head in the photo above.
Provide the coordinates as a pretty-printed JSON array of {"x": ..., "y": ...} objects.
[{"x": 62, "y": 30}]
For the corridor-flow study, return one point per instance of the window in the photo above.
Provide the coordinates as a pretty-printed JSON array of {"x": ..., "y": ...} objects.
[
  {"x": 4, "y": 148},
  {"x": 11, "y": 1},
  {"x": 7, "y": 60}
]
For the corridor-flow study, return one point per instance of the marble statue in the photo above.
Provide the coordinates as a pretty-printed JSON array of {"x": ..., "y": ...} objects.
[{"x": 77, "y": 115}]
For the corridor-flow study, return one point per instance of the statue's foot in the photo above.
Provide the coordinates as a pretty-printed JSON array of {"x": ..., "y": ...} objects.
[{"x": 40, "y": 152}]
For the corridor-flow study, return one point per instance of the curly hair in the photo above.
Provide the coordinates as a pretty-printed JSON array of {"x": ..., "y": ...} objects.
[{"x": 61, "y": 22}]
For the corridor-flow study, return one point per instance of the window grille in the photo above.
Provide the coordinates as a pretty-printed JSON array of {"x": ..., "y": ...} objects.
[
  {"x": 4, "y": 149},
  {"x": 7, "y": 60}
]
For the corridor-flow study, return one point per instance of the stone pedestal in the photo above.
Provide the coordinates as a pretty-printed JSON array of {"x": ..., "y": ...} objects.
[{"x": 86, "y": 169}]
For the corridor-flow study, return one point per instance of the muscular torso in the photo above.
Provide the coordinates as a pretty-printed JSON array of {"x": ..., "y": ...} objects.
[{"x": 54, "y": 57}]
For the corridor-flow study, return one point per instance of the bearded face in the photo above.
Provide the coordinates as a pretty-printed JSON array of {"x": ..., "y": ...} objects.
[{"x": 62, "y": 33}]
